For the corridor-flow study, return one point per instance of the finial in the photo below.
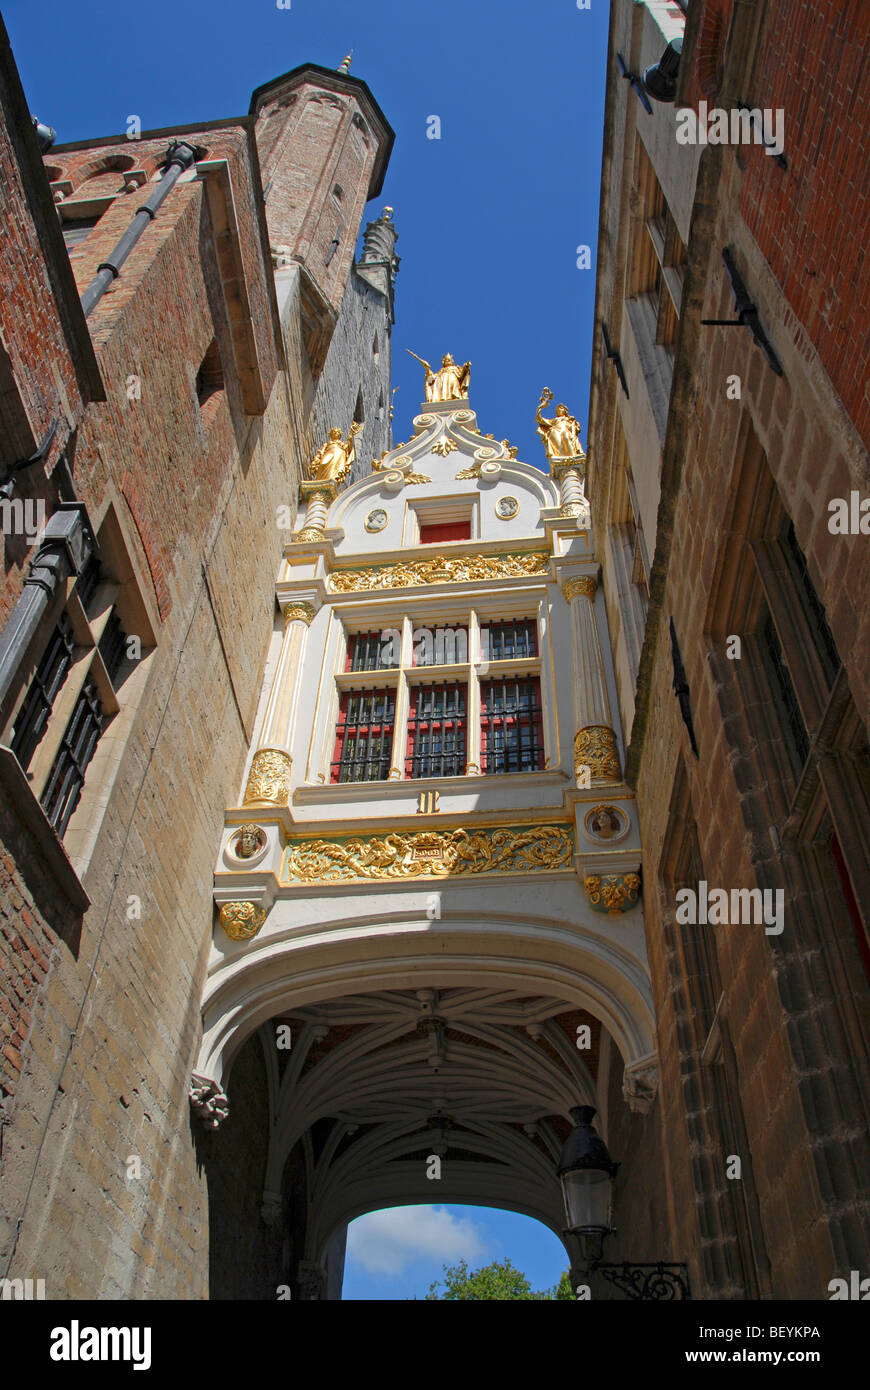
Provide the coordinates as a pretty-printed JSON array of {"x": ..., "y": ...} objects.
[
  {"x": 344, "y": 65},
  {"x": 388, "y": 214}
]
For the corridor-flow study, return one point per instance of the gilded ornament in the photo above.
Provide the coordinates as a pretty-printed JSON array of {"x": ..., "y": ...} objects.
[
  {"x": 269, "y": 778},
  {"x": 612, "y": 893},
  {"x": 242, "y": 920},
  {"x": 445, "y": 446},
  {"x": 561, "y": 435},
  {"x": 299, "y": 612},
  {"x": 449, "y": 383},
  {"x": 441, "y": 570},
  {"x": 310, "y": 533},
  {"x": 595, "y": 747},
  {"x": 333, "y": 459},
  {"x": 570, "y": 509},
  {"x": 441, "y": 854},
  {"x": 585, "y": 584}
]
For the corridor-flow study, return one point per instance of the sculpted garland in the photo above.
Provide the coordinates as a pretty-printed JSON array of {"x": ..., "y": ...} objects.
[{"x": 430, "y": 853}]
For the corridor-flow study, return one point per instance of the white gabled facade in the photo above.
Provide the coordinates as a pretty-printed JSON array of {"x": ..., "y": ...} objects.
[{"x": 453, "y": 815}]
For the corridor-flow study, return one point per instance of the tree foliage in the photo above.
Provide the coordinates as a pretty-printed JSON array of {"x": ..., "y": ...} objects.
[{"x": 499, "y": 1280}]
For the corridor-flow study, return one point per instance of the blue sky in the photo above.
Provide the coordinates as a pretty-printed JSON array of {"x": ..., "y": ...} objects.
[
  {"x": 489, "y": 216},
  {"x": 399, "y": 1253},
  {"x": 489, "y": 219}
]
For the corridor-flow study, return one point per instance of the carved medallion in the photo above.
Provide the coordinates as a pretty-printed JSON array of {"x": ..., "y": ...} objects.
[
  {"x": 242, "y": 920},
  {"x": 506, "y": 507},
  {"x": 376, "y": 520}
]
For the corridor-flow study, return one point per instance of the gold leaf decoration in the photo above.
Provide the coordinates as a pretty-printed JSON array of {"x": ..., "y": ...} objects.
[
  {"x": 439, "y": 854},
  {"x": 441, "y": 570},
  {"x": 445, "y": 446},
  {"x": 584, "y": 584},
  {"x": 612, "y": 893},
  {"x": 242, "y": 920},
  {"x": 595, "y": 747},
  {"x": 269, "y": 778}
]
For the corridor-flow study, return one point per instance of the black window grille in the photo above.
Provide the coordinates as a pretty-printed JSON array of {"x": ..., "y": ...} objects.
[
  {"x": 813, "y": 607},
  {"x": 440, "y": 646},
  {"x": 364, "y": 736},
  {"x": 509, "y": 641},
  {"x": 372, "y": 651},
  {"x": 33, "y": 717},
  {"x": 797, "y": 736},
  {"x": 436, "y": 731},
  {"x": 511, "y": 726},
  {"x": 67, "y": 776}
]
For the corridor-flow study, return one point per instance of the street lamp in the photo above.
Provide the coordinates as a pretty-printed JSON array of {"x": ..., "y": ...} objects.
[{"x": 586, "y": 1172}]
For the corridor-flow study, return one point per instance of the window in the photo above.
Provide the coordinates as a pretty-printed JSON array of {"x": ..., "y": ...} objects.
[
  {"x": 436, "y": 731},
  {"x": 439, "y": 646},
  {"x": 511, "y": 726},
  {"x": 364, "y": 737},
  {"x": 789, "y": 706},
  {"x": 74, "y": 694},
  {"x": 372, "y": 651},
  {"x": 509, "y": 641},
  {"x": 450, "y": 699},
  {"x": 210, "y": 379},
  {"x": 439, "y": 532}
]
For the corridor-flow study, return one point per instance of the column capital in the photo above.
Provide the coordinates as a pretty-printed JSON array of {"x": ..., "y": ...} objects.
[
  {"x": 242, "y": 920},
  {"x": 580, "y": 584},
  {"x": 299, "y": 610}
]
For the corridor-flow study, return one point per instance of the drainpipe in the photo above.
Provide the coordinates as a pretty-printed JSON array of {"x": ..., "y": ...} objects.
[
  {"x": 179, "y": 157},
  {"x": 67, "y": 543}
]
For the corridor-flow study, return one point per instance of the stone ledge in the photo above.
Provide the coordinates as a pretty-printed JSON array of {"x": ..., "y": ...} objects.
[{"x": 19, "y": 796}]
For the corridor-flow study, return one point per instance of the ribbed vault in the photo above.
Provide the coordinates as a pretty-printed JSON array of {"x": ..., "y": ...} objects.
[{"x": 374, "y": 1086}]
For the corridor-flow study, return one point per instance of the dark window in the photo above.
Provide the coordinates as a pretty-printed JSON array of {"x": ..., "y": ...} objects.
[
  {"x": 440, "y": 646},
  {"x": 75, "y": 230},
  {"x": 823, "y": 638},
  {"x": 372, "y": 651},
  {"x": 112, "y": 647},
  {"x": 364, "y": 736},
  {"x": 436, "y": 731},
  {"x": 50, "y": 675},
  {"x": 67, "y": 776},
  {"x": 511, "y": 725},
  {"x": 509, "y": 641},
  {"x": 797, "y": 736},
  {"x": 445, "y": 531}
]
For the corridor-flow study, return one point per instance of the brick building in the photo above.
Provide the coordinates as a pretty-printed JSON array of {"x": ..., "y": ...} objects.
[
  {"x": 164, "y": 434},
  {"x": 717, "y": 452}
]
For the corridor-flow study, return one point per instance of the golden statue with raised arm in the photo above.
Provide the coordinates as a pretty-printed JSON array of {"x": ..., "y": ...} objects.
[
  {"x": 333, "y": 459},
  {"x": 561, "y": 435},
  {"x": 449, "y": 383}
]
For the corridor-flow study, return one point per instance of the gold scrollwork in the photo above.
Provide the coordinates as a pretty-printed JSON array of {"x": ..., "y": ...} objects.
[
  {"x": 269, "y": 778},
  {"x": 299, "y": 612},
  {"x": 440, "y": 854},
  {"x": 612, "y": 893},
  {"x": 585, "y": 584},
  {"x": 595, "y": 747},
  {"x": 242, "y": 920},
  {"x": 441, "y": 570}
]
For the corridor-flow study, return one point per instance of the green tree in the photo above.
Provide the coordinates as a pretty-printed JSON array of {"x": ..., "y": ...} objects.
[{"x": 500, "y": 1280}]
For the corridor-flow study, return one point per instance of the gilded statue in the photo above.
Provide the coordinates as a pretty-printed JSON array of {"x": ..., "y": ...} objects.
[
  {"x": 449, "y": 383},
  {"x": 333, "y": 459},
  {"x": 561, "y": 435}
]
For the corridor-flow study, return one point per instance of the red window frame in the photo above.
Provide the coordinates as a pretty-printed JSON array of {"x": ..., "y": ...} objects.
[
  {"x": 449, "y": 724},
  {"x": 511, "y": 730},
  {"x": 377, "y": 732},
  {"x": 438, "y": 532}
]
